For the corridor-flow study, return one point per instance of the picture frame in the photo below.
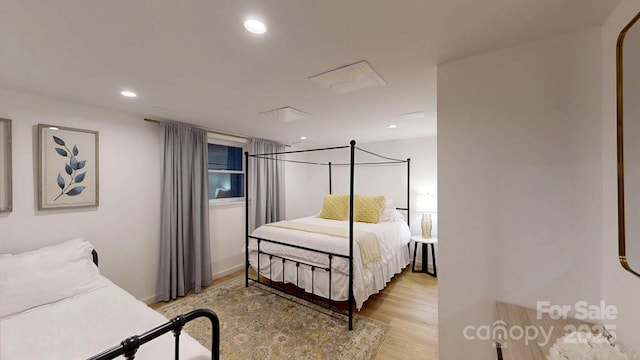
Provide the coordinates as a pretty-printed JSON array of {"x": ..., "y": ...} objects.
[
  {"x": 68, "y": 167},
  {"x": 6, "y": 204}
]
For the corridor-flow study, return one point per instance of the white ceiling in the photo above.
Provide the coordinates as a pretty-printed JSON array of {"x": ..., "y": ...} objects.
[{"x": 193, "y": 61}]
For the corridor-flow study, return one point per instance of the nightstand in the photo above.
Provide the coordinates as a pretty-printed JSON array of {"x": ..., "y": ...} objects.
[{"x": 426, "y": 244}]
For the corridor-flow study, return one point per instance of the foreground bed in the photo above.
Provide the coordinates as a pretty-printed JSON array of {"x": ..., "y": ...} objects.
[{"x": 55, "y": 305}]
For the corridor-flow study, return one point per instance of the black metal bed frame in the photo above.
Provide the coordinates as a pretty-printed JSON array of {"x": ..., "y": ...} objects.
[
  {"x": 328, "y": 304},
  {"x": 129, "y": 346}
]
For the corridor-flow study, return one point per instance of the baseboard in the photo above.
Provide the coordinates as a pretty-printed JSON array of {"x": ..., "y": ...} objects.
[
  {"x": 227, "y": 271},
  {"x": 153, "y": 299}
]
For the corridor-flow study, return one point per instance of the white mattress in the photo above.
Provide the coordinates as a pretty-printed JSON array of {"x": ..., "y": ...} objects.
[
  {"x": 87, "y": 324},
  {"x": 393, "y": 238}
]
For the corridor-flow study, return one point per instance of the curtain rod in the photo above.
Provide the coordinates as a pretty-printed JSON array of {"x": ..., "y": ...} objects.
[{"x": 208, "y": 130}]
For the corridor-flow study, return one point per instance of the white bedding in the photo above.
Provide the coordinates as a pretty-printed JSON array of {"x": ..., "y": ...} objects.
[
  {"x": 87, "y": 324},
  {"x": 393, "y": 238}
]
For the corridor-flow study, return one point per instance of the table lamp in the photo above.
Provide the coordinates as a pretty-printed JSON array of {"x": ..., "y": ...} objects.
[{"x": 427, "y": 204}]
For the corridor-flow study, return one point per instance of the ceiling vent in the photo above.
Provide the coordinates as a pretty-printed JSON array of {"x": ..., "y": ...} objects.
[
  {"x": 414, "y": 115},
  {"x": 349, "y": 78},
  {"x": 285, "y": 114}
]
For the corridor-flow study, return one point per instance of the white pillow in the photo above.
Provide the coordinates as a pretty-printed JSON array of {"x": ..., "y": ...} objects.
[
  {"x": 46, "y": 275},
  {"x": 389, "y": 212}
]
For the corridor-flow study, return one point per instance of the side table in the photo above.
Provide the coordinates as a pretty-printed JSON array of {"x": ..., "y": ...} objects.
[{"x": 426, "y": 244}]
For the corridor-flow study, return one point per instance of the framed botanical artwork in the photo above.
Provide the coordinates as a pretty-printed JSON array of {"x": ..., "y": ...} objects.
[
  {"x": 5, "y": 165},
  {"x": 67, "y": 167}
]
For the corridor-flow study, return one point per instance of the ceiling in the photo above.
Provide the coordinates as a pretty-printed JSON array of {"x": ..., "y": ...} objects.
[{"x": 193, "y": 61}]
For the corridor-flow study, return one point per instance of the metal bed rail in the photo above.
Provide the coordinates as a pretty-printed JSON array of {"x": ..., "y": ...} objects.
[
  {"x": 130, "y": 345},
  {"x": 313, "y": 267}
]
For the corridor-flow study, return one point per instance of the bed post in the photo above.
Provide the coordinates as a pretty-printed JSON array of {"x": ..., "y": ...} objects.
[
  {"x": 246, "y": 220},
  {"x": 94, "y": 256},
  {"x": 409, "y": 192},
  {"x": 330, "y": 177},
  {"x": 351, "y": 166},
  {"x": 409, "y": 201}
]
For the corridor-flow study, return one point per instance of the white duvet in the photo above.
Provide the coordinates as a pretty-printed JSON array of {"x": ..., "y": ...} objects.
[
  {"x": 393, "y": 238},
  {"x": 87, "y": 324}
]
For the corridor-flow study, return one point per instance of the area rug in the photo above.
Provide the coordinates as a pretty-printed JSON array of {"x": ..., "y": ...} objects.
[{"x": 259, "y": 323}]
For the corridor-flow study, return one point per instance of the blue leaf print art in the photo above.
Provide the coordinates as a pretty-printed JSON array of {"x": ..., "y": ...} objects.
[{"x": 70, "y": 169}]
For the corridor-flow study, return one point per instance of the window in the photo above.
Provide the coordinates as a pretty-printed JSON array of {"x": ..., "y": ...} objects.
[{"x": 226, "y": 172}]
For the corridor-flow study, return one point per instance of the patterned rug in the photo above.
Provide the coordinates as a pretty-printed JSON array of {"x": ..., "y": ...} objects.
[{"x": 258, "y": 323}]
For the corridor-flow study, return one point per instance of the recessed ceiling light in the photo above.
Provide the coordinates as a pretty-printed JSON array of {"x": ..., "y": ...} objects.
[
  {"x": 393, "y": 126},
  {"x": 128, "y": 93},
  {"x": 53, "y": 128},
  {"x": 303, "y": 138},
  {"x": 255, "y": 26}
]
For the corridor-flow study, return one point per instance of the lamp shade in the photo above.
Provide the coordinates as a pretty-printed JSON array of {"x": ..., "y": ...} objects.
[{"x": 427, "y": 203}]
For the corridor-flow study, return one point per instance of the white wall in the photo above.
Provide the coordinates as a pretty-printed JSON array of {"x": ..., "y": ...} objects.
[
  {"x": 620, "y": 287},
  {"x": 125, "y": 227},
  {"x": 297, "y": 187},
  {"x": 226, "y": 230},
  {"x": 519, "y": 150}
]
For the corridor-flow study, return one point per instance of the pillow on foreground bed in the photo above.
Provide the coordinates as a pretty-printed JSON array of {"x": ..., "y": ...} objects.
[
  {"x": 46, "y": 275},
  {"x": 335, "y": 207},
  {"x": 367, "y": 208}
]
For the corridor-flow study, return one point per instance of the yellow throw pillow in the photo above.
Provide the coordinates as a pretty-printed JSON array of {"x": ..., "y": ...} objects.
[
  {"x": 367, "y": 208},
  {"x": 335, "y": 207}
]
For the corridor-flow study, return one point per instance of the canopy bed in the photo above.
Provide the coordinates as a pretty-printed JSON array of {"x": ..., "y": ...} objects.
[{"x": 339, "y": 258}]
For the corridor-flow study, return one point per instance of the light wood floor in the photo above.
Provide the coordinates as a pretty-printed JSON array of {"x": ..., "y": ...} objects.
[{"x": 409, "y": 304}]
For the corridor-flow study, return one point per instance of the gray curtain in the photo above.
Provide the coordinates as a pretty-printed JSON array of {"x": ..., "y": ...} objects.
[
  {"x": 266, "y": 184},
  {"x": 185, "y": 258}
]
